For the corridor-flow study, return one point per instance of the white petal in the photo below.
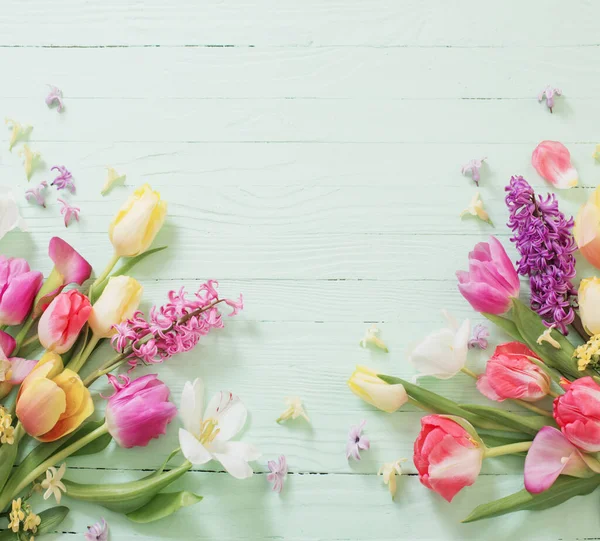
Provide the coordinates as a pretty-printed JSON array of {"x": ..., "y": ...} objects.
[
  {"x": 192, "y": 449},
  {"x": 461, "y": 345},
  {"x": 234, "y": 456},
  {"x": 9, "y": 213},
  {"x": 192, "y": 402},
  {"x": 243, "y": 450},
  {"x": 229, "y": 411},
  {"x": 434, "y": 356}
]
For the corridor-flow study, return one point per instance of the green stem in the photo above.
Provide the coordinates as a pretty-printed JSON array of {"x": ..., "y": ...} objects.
[
  {"x": 509, "y": 449},
  {"x": 19, "y": 339},
  {"x": 11, "y": 492},
  {"x": 79, "y": 361},
  {"x": 465, "y": 370},
  {"x": 531, "y": 407},
  {"x": 109, "y": 267}
]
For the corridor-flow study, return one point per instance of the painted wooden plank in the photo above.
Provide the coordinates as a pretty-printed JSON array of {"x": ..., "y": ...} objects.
[
  {"x": 323, "y": 72},
  {"x": 270, "y": 23},
  {"x": 340, "y": 507}
]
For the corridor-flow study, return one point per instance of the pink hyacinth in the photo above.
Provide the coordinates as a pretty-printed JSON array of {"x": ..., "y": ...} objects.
[
  {"x": 69, "y": 212},
  {"x": 173, "y": 328},
  {"x": 64, "y": 180}
]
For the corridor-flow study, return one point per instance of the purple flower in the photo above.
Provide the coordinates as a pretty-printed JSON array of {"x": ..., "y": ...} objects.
[
  {"x": 69, "y": 212},
  {"x": 479, "y": 339},
  {"x": 357, "y": 442},
  {"x": 549, "y": 92},
  {"x": 473, "y": 167},
  {"x": 35, "y": 194},
  {"x": 64, "y": 179},
  {"x": 97, "y": 532},
  {"x": 55, "y": 95},
  {"x": 278, "y": 472},
  {"x": 545, "y": 242}
]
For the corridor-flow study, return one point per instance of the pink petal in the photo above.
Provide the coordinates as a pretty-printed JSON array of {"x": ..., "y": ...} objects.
[
  {"x": 7, "y": 344},
  {"x": 68, "y": 262},
  {"x": 552, "y": 161},
  {"x": 20, "y": 369}
]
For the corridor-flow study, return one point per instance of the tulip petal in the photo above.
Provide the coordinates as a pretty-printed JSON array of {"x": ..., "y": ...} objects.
[
  {"x": 552, "y": 160},
  {"x": 68, "y": 262},
  {"x": 7, "y": 345},
  {"x": 20, "y": 369},
  {"x": 229, "y": 411},
  {"x": 40, "y": 406},
  {"x": 192, "y": 449},
  {"x": 484, "y": 387},
  {"x": 192, "y": 404},
  {"x": 484, "y": 298},
  {"x": 434, "y": 356}
]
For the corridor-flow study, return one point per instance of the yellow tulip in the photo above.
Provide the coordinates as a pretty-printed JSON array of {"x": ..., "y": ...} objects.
[
  {"x": 587, "y": 229},
  {"x": 52, "y": 402},
  {"x": 589, "y": 304},
  {"x": 365, "y": 383},
  {"x": 133, "y": 229}
]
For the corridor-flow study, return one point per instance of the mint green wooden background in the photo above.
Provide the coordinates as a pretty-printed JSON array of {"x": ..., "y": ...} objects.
[{"x": 310, "y": 153}]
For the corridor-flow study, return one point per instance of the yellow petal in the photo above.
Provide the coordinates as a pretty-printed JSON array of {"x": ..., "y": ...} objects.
[
  {"x": 74, "y": 391},
  {"x": 40, "y": 406}
]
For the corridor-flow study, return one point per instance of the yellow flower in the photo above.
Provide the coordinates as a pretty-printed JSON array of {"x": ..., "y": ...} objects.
[
  {"x": 365, "y": 384},
  {"x": 112, "y": 178},
  {"x": 588, "y": 353},
  {"x": 18, "y": 132},
  {"x": 119, "y": 300},
  {"x": 7, "y": 431},
  {"x": 133, "y": 229},
  {"x": 389, "y": 471},
  {"x": 32, "y": 521},
  {"x": 16, "y": 515},
  {"x": 372, "y": 338},
  {"x": 476, "y": 209},
  {"x": 31, "y": 160},
  {"x": 53, "y": 482},
  {"x": 294, "y": 410}
]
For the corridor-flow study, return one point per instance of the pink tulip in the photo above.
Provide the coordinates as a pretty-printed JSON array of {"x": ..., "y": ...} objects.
[
  {"x": 510, "y": 374},
  {"x": 7, "y": 344},
  {"x": 18, "y": 287},
  {"x": 577, "y": 413},
  {"x": 62, "y": 321},
  {"x": 551, "y": 455},
  {"x": 69, "y": 267},
  {"x": 13, "y": 370},
  {"x": 446, "y": 456},
  {"x": 552, "y": 160},
  {"x": 491, "y": 281},
  {"x": 139, "y": 410}
]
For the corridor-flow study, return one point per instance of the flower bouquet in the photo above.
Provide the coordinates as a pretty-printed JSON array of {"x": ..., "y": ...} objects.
[
  {"x": 48, "y": 333},
  {"x": 554, "y": 379}
]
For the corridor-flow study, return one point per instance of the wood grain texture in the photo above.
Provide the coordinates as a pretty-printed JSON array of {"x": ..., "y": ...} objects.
[{"x": 310, "y": 154}]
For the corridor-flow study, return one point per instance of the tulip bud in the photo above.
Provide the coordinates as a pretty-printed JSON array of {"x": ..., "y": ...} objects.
[
  {"x": 510, "y": 374},
  {"x": 491, "y": 281},
  {"x": 18, "y": 287},
  {"x": 62, "y": 321},
  {"x": 139, "y": 411},
  {"x": 52, "y": 402},
  {"x": 118, "y": 302},
  {"x": 587, "y": 229},
  {"x": 365, "y": 384},
  {"x": 133, "y": 229},
  {"x": 589, "y": 304},
  {"x": 447, "y": 456}
]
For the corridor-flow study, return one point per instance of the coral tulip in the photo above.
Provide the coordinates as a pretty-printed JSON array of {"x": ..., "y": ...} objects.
[
  {"x": 52, "y": 402},
  {"x": 62, "y": 321},
  {"x": 139, "y": 410},
  {"x": 18, "y": 287}
]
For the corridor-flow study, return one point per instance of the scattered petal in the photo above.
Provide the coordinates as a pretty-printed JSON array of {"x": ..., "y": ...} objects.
[
  {"x": 294, "y": 410},
  {"x": 357, "y": 441},
  {"x": 372, "y": 338},
  {"x": 480, "y": 336},
  {"x": 278, "y": 473},
  {"x": 53, "y": 482},
  {"x": 389, "y": 471},
  {"x": 35, "y": 194},
  {"x": 97, "y": 532},
  {"x": 473, "y": 167},
  {"x": 548, "y": 93},
  {"x": 18, "y": 133},
  {"x": 546, "y": 336},
  {"x": 31, "y": 160},
  {"x": 69, "y": 212},
  {"x": 55, "y": 96},
  {"x": 112, "y": 179},
  {"x": 596, "y": 154},
  {"x": 10, "y": 218},
  {"x": 64, "y": 180},
  {"x": 476, "y": 209},
  {"x": 552, "y": 160}
]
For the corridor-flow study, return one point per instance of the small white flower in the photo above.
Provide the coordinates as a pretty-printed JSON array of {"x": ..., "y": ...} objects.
[
  {"x": 10, "y": 218},
  {"x": 294, "y": 410},
  {"x": 372, "y": 338},
  {"x": 389, "y": 471},
  {"x": 546, "y": 336},
  {"x": 476, "y": 209},
  {"x": 53, "y": 482},
  {"x": 206, "y": 434}
]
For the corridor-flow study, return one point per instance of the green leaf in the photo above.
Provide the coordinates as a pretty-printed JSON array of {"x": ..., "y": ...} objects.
[
  {"x": 5, "y": 535},
  {"x": 8, "y": 456},
  {"x": 96, "y": 446},
  {"x": 505, "y": 324},
  {"x": 125, "y": 497},
  {"x": 163, "y": 505},
  {"x": 123, "y": 269},
  {"x": 530, "y": 424},
  {"x": 530, "y": 326},
  {"x": 51, "y": 519},
  {"x": 562, "y": 490}
]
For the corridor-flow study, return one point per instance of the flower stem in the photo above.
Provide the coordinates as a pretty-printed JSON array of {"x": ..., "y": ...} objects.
[
  {"x": 19, "y": 339},
  {"x": 509, "y": 449},
  {"x": 79, "y": 361},
  {"x": 531, "y": 407},
  {"x": 577, "y": 324},
  {"x": 109, "y": 267},
  {"x": 10, "y": 492},
  {"x": 465, "y": 370}
]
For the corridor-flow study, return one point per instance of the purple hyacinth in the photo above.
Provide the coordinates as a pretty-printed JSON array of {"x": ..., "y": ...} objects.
[{"x": 544, "y": 238}]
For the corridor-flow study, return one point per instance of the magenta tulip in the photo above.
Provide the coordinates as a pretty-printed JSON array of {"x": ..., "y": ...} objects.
[
  {"x": 7, "y": 344},
  {"x": 18, "y": 287},
  {"x": 63, "y": 320},
  {"x": 139, "y": 411},
  {"x": 491, "y": 281}
]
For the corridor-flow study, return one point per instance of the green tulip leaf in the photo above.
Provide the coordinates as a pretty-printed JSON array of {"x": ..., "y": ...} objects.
[
  {"x": 5, "y": 535},
  {"x": 562, "y": 490},
  {"x": 163, "y": 505},
  {"x": 507, "y": 325},
  {"x": 530, "y": 424},
  {"x": 51, "y": 519},
  {"x": 8, "y": 456}
]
